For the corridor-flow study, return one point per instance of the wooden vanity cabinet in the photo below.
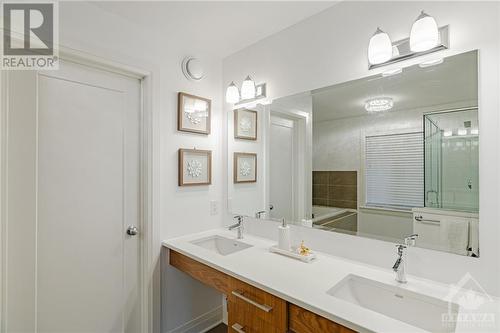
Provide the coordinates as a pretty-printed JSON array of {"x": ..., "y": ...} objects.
[
  {"x": 303, "y": 321},
  {"x": 255, "y": 309},
  {"x": 252, "y": 310}
]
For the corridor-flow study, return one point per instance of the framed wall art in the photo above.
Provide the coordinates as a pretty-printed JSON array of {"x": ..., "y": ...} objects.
[
  {"x": 245, "y": 124},
  {"x": 193, "y": 114},
  {"x": 195, "y": 167},
  {"x": 245, "y": 167}
]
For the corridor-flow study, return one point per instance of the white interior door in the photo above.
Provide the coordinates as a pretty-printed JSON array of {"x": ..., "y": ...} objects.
[
  {"x": 282, "y": 168},
  {"x": 73, "y": 190}
]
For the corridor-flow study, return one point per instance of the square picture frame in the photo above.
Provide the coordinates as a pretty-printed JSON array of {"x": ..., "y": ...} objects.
[
  {"x": 244, "y": 168},
  {"x": 195, "y": 167},
  {"x": 194, "y": 114},
  {"x": 245, "y": 124}
]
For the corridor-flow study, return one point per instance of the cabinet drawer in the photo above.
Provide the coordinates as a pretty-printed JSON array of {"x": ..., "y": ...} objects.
[
  {"x": 303, "y": 321},
  {"x": 200, "y": 272},
  {"x": 242, "y": 321},
  {"x": 256, "y": 303}
]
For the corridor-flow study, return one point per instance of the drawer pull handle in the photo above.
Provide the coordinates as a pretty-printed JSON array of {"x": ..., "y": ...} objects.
[
  {"x": 238, "y": 328},
  {"x": 240, "y": 295}
]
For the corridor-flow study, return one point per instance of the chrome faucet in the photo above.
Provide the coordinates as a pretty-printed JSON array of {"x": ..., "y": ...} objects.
[
  {"x": 400, "y": 264},
  {"x": 238, "y": 225},
  {"x": 259, "y": 214}
]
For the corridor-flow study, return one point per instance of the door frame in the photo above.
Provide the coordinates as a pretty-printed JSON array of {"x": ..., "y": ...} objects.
[
  {"x": 148, "y": 191},
  {"x": 302, "y": 145}
]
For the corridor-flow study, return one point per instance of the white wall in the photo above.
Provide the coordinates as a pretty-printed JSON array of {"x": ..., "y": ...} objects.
[
  {"x": 86, "y": 27},
  {"x": 330, "y": 48}
]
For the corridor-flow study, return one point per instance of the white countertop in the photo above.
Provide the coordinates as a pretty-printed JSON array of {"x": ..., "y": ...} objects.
[{"x": 306, "y": 284}]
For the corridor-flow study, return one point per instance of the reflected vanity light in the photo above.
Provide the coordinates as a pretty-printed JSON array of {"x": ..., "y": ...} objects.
[
  {"x": 232, "y": 93},
  {"x": 378, "y": 104},
  {"x": 249, "y": 92},
  {"x": 462, "y": 131},
  {"x": 474, "y": 131},
  {"x": 248, "y": 88},
  {"x": 430, "y": 63}
]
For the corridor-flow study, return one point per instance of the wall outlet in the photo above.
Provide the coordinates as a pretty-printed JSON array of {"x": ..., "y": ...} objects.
[{"x": 214, "y": 207}]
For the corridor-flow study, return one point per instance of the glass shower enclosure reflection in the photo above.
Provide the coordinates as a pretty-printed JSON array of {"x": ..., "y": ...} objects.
[{"x": 451, "y": 160}]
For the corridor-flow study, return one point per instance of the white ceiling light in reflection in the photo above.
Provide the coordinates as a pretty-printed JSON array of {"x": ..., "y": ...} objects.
[
  {"x": 462, "y": 131},
  {"x": 474, "y": 131},
  {"x": 448, "y": 133},
  {"x": 379, "y": 104}
]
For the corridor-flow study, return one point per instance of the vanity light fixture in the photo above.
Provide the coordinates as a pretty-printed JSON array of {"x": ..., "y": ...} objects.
[
  {"x": 424, "y": 33},
  {"x": 379, "y": 48},
  {"x": 474, "y": 131},
  {"x": 379, "y": 104},
  {"x": 249, "y": 92},
  {"x": 232, "y": 94},
  {"x": 425, "y": 37},
  {"x": 462, "y": 131},
  {"x": 248, "y": 88}
]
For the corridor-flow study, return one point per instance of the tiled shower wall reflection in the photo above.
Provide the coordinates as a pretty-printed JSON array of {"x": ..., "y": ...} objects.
[{"x": 335, "y": 189}]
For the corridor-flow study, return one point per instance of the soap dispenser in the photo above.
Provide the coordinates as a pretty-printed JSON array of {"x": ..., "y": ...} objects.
[{"x": 284, "y": 236}]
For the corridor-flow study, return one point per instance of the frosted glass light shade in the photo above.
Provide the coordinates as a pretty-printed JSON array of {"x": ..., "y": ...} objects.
[
  {"x": 424, "y": 33},
  {"x": 248, "y": 88},
  {"x": 232, "y": 94},
  {"x": 379, "y": 48}
]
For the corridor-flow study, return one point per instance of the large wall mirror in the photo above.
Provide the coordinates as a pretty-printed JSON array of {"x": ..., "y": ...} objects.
[{"x": 384, "y": 157}]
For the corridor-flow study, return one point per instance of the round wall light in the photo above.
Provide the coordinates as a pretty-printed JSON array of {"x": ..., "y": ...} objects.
[
  {"x": 192, "y": 68},
  {"x": 379, "y": 48},
  {"x": 424, "y": 33}
]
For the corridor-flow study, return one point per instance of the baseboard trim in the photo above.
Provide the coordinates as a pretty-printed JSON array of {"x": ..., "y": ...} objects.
[{"x": 202, "y": 324}]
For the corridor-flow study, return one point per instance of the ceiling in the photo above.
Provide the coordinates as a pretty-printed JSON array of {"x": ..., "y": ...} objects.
[
  {"x": 454, "y": 83},
  {"x": 221, "y": 28}
]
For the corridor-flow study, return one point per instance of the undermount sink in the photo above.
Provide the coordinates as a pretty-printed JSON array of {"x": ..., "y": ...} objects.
[
  {"x": 221, "y": 245},
  {"x": 412, "y": 308}
]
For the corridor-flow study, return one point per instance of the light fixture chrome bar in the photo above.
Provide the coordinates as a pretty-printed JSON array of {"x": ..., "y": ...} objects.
[
  {"x": 405, "y": 53},
  {"x": 260, "y": 92}
]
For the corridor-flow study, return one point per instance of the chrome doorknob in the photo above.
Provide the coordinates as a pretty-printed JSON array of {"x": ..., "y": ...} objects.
[{"x": 132, "y": 230}]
